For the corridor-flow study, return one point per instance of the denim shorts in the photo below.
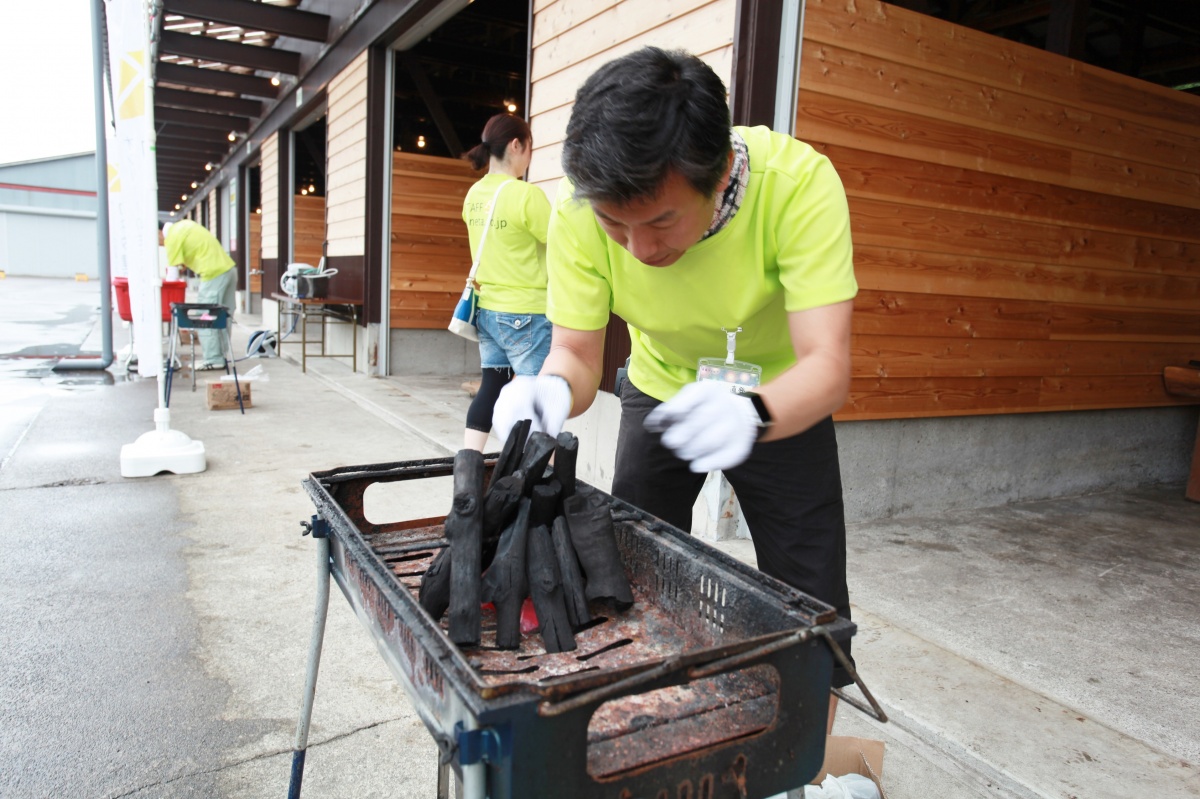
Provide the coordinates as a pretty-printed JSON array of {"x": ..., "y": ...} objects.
[{"x": 513, "y": 341}]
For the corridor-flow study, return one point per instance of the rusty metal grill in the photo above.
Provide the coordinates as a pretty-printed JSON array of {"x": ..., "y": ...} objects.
[{"x": 715, "y": 684}]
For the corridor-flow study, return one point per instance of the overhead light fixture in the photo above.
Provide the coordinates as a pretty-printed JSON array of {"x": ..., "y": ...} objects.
[
  {"x": 275, "y": 79},
  {"x": 183, "y": 197},
  {"x": 258, "y": 210},
  {"x": 195, "y": 185},
  {"x": 512, "y": 108},
  {"x": 176, "y": 206},
  {"x": 232, "y": 136},
  {"x": 208, "y": 167},
  {"x": 312, "y": 189},
  {"x": 420, "y": 141},
  {"x": 172, "y": 213}
]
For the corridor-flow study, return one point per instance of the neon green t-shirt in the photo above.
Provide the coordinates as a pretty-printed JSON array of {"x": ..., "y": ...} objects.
[
  {"x": 786, "y": 249},
  {"x": 512, "y": 273},
  {"x": 190, "y": 244}
]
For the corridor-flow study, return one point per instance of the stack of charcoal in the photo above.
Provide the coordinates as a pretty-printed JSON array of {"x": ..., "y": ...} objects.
[{"x": 530, "y": 535}]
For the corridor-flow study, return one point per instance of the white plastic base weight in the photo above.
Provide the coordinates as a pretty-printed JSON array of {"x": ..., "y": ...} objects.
[{"x": 162, "y": 450}]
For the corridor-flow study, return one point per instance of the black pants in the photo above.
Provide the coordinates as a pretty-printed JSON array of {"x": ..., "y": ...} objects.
[{"x": 789, "y": 490}]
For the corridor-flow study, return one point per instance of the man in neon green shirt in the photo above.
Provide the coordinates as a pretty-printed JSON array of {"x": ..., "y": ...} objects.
[
  {"x": 693, "y": 231},
  {"x": 190, "y": 245}
]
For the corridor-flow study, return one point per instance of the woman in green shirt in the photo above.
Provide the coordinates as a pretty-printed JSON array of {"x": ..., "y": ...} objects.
[{"x": 514, "y": 336}]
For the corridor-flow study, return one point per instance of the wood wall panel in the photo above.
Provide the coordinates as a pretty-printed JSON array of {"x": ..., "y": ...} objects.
[
  {"x": 346, "y": 161},
  {"x": 1026, "y": 227},
  {"x": 308, "y": 228},
  {"x": 269, "y": 192},
  {"x": 430, "y": 253},
  {"x": 255, "y": 253},
  {"x": 572, "y": 38}
]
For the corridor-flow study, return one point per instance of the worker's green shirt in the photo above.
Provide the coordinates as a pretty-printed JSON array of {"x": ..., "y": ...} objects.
[
  {"x": 190, "y": 244},
  {"x": 512, "y": 270},
  {"x": 786, "y": 249}
]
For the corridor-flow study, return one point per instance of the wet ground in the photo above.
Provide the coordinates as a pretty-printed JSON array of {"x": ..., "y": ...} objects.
[{"x": 155, "y": 630}]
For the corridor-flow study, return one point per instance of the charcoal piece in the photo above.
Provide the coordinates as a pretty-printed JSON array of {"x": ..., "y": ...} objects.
[
  {"x": 514, "y": 447},
  {"x": 566, "y": 453},
  {"x": 434, "y": 595},
  {"x": 538, "y": 451},
  {"x": 464, "y": 530},
  {"x": 545, "y": 588},
  {"x": 572, "y": 578},
  {"x": 505, "y": 584},
  {"x": 545, "y": 505},
  {"x": 590, "y": 523},
  {"x": 500, "y": 504},
  {"x": 499, "y": 507}
]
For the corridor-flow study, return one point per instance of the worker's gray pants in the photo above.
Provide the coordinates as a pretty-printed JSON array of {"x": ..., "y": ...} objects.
[{"x": 220, "y": 290}]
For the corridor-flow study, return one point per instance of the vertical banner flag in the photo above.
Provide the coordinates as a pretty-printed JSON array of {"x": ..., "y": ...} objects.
[{"x": 133, "y": 190}]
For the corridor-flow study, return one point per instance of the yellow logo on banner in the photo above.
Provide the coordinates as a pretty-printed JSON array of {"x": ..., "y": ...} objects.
[
  {"x": 132, "y": 100},
  {"x": 114, "y": 180}
]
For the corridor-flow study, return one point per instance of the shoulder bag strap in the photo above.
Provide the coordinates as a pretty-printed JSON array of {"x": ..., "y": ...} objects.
[{"x": 486, "y": 227}]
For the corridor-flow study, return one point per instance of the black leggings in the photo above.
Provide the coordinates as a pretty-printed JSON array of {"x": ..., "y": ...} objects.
[{"x": 479, "y": 415}]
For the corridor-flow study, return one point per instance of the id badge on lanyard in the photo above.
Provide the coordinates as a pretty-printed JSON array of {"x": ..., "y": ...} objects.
[{"x": 738, "y": 376}]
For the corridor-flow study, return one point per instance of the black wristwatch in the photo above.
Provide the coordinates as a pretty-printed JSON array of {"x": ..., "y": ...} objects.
[{"x": 764, "y": 416}]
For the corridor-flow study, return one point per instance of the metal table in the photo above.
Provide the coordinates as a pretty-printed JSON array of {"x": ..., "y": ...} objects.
[{"x": 339, "y": 309}]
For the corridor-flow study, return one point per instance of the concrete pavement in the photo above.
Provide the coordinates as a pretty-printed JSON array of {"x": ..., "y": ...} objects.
[{"x": 157, "y": 628}]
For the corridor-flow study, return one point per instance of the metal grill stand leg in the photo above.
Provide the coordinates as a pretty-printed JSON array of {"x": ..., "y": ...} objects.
[
  {"x": 443, "y": 780},
  {"x": 314, "y": 662}
]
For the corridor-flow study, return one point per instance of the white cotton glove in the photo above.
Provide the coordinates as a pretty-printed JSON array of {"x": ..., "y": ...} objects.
[
  {"x": 706, "y": 425},
  {"x": 545, "y": 399}
]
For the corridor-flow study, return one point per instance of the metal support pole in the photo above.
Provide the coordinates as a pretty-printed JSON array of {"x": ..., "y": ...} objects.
[
  {"x": 87, "y": 362},
  {"x": 314, "y": 662}
]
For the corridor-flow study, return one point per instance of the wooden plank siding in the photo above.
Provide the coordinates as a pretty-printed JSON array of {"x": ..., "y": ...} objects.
[
  {"x": 346, "y": 161},
  {"x": 1026, "y": 227},
  {"x": 572, "y": 38},
  {"x": 308, "y": 228},
  {"x": 269, "y": 192},
  {"x": 254, "y": 255},
  {"x": 430, "y": 252}
]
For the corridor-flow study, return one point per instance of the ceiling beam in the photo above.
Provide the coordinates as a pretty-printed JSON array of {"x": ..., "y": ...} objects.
[
  {"x": 1066, "y": 33},
  {"x": 255, "y": 16},
  {"x": 215, "y": 103},
  {"x": 175, "y": 130},
  {"x": 1020, "y": 15},
  {"x": 184, "y": 150},
  {"x": 444, "y": 125},
  {"x": 201, "y": 119},
  {"x": 243, "y": 55},
  {"x": 215, "y": 79}
]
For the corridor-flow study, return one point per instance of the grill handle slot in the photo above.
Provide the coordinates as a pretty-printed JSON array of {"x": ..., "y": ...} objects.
[{"x": 695, "y": 671}]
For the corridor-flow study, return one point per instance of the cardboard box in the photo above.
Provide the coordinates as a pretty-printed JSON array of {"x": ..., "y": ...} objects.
[
  {"x": 222, "y": 394},
  {"x": 846, "y": 755}
]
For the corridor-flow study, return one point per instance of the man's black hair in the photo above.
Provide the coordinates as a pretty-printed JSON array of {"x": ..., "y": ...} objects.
[{"x": 641, "y": 116}]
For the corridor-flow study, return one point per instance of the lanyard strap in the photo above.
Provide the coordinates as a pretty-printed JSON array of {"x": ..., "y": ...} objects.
[{"x": 486, "y": 227}]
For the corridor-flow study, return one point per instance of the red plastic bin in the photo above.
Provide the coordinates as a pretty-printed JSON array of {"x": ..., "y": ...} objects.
[{"x": 172, "y": 291}]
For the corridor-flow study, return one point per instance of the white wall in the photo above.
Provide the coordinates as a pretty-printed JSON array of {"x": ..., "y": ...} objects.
[{"x": 48, "y": 243}]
